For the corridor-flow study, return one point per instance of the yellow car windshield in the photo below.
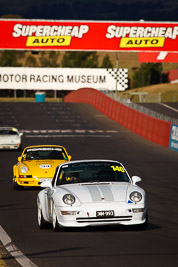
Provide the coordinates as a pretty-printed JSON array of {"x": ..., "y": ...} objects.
[{"x": 42, "y": 153}]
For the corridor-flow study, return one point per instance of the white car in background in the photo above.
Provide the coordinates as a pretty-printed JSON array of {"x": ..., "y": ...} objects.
[
  {"x": 10, "y": 138},
  {"x": 91, "y": 193}
]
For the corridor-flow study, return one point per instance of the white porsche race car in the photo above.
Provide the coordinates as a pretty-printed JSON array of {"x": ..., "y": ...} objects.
[
  {"x": 91, "y": 193},
  {"x": 10, "y": 138}
]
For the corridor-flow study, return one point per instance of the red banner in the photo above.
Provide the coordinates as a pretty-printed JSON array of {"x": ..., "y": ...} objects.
[
  {"x": 158, "y": 57},
  {"x": 88, "y": 35}
]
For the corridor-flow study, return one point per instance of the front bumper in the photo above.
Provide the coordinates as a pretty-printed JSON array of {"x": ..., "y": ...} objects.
[
  {"x": 9, "y": 146},
  {"x": 124, "y": 214},
  {"x": 31, "y": 181}
]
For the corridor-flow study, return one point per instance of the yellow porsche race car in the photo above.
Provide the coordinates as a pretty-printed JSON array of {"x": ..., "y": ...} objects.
[{"x": 38, "y": 164}]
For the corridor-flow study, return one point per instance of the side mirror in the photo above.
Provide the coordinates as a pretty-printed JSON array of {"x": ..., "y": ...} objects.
[
  {"x": 19, "y": 159},
  {"x": 46, "y": 184},
  {"x": 69, "y": 157},
  {"x": 20, "y": 134},
  {"x": 136, "y": 179}
]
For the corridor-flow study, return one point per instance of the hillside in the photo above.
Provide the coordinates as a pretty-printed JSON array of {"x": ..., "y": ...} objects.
[
  {"x": 127, "y": 60},
  {"x": 167, "y": 91}
]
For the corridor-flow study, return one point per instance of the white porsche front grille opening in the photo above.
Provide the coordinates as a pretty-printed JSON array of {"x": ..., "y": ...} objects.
[{"x": 95, "y": 219}]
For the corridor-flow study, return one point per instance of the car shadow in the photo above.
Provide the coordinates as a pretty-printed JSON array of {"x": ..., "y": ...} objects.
[{"x": 109, "y": 228}]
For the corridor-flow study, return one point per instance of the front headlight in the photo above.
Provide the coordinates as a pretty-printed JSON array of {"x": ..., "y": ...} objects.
[
  {"x": 69, "y": 199},
  {"x": 136, "y": 196},
  {"x": 23, "y": 169}
]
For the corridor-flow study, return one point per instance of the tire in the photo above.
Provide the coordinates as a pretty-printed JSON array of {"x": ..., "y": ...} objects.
[
  {"x": 142, "y": 226},
  {"x": 56, "y": 226},
  {"x": 145, "y": 224},
  {"x": 41, "y": 221},
  {"x": 20, "y": 148},
  {"x": 16, "y": 186}
]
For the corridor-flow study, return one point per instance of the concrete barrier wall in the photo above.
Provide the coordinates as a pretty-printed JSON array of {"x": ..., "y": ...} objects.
[{"x": 153, "y": 129}]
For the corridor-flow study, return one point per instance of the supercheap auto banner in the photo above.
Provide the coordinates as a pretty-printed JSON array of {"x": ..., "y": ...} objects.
[{"x": 88, "y": 35}]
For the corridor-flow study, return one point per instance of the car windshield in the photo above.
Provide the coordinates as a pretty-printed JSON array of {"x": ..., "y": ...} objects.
[
  {"x": 91, "y": 172},
  {"x": 42, "y": 153},
  {"x": 8, "y": 132}
]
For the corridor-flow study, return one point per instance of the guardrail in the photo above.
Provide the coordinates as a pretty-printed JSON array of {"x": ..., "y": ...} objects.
[
  {"x": 142, "y": 109},
  {"x": 147, "y": 126}
]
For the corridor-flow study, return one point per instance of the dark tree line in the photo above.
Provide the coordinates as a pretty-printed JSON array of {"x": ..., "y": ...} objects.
[{"x": 50, "y": 59}]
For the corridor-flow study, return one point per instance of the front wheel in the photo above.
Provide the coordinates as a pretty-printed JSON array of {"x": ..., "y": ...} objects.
[
  {"x": 16, "y": 186},
  {"x": 20, "y": 148},
  {"x": 41, "y": 221},
  {"x": 56, "y": 226},
  {"x": 145, "y": 224},
  {"x": 142, "y": 226}
]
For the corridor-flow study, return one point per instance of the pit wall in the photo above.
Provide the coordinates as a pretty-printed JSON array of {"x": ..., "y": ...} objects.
[{"x": 153, "y": 129}]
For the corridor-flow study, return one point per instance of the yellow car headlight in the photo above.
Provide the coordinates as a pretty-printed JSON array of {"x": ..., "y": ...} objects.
[{"x": 23, "y": 169}]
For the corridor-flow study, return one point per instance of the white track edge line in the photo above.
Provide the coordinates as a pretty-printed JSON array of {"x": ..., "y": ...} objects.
[
  {"x": 169, "y": 107},
  {"x": 54, "y": 136},
  {"x": 14, "y": 251}
]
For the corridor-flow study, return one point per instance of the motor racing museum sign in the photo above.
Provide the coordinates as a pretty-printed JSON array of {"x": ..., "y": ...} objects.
[
  {"x": 63, "y": 78},
  {"x": 88, "y": 35}
]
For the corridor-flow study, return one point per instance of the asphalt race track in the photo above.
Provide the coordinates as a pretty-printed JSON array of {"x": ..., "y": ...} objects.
[
  {"x": 86, "y": 133},
  {"x": 167, "y": 109}
]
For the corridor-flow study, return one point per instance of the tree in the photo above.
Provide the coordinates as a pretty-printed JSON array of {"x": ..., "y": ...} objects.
[
  {"x": 9, "y": 58},
  {"x": 147, "y": 74},
  {"x": 80, "y": 59},
  {"x": 49, "y": 59},
  {"x": 106, "y": 63},
  {"x": 31, "y": 62}
]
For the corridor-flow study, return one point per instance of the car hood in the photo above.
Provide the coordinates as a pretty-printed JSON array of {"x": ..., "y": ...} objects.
[
  {"x": 43, "y": 168},
  {"x": 9, "y": 139},
  {"x": 88, "y": 193}
]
